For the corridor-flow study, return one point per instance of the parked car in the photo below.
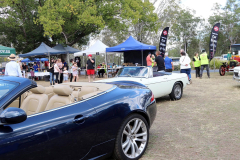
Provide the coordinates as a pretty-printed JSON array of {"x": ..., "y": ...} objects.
[
  {"x": 236, "y": 75},
  {"x": 161, "y": 83},
  {"x": 76, "y": 120}
]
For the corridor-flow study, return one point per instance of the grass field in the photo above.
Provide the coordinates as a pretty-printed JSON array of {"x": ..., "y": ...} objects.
[{"x": 204, "y": 124}]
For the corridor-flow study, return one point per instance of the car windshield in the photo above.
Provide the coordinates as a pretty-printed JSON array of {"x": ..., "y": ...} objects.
[
  {"x": 6, "y": 87},
  {"x": 133, "y": 72}
]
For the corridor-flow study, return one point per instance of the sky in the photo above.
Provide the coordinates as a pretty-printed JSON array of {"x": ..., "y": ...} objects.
[{"x": 202, "y": 7}]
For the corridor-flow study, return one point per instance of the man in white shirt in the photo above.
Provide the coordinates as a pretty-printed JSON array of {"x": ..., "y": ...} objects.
[{"x": 13, "y": 68}]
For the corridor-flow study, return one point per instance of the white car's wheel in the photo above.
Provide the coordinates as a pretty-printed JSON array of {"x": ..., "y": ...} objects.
[
  {"x": 132, "y": 138},
  {"x": 177, "y": 91}
]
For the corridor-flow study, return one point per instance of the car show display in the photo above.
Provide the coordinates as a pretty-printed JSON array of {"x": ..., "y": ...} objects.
[
  {"x": 76, "y": 120},
  {"x": 160, "y": 83}
]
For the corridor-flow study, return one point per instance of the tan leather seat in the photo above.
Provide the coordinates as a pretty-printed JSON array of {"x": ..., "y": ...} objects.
[
  {"x": 79, "y": 92},
  {"x": 49, "y": 92},
  {"x": 15, "y": 103},
  {"x": 35, "y": 102},
  {"x": 63, "y": 97}
]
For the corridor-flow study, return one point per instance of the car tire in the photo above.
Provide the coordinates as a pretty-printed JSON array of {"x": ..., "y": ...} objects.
[
  {"x": 132, "y": 136},
  {"x": 222, "y": 70},
  {"x": 177, "y": 91}
]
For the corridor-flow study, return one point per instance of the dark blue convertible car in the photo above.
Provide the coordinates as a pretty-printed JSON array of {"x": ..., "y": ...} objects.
[{"x": 74, "y": 121}]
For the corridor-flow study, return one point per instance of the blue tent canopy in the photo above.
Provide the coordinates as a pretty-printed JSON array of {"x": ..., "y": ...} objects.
[
  {"x": 34, "y": 60},
  {"x": 67, "y": 49},
  {"x": 129, "y": 45},
  {"x": 134, "y": 51},
  {"x": 43, "y": 50}
]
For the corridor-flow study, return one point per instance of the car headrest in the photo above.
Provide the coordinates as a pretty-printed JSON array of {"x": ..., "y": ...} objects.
[
  {"x": 38, "y": 90},
  {"x": 62, "y": 90}
]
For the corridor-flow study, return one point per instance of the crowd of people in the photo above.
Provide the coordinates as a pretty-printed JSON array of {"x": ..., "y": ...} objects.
[
  {"x": 60, "y": 71},
  {"x": 163, "y": 63}
]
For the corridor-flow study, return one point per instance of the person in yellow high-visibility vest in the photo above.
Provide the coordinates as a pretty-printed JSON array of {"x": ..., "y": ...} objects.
[
  {"x": 153, "y": 59},
  {"x": 197, "y": 64},
  {"x": 204, "y": 59}
]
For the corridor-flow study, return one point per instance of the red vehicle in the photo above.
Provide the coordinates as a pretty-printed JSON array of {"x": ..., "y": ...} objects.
[{"x": 235, "y": 59}]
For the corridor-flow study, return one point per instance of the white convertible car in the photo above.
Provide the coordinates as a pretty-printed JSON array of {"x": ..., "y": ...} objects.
[{"x": 161, "y": 83}]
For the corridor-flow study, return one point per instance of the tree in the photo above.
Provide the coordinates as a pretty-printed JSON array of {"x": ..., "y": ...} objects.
[
  {"x": 17, "y": 27},
  {"x": 229, "y": 17},
  {"x": 185, "y": 27},
  {"x": 75, "y": 19}
]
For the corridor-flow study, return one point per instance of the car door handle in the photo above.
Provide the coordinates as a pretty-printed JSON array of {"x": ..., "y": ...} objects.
[{"x": 80, "y": 119}]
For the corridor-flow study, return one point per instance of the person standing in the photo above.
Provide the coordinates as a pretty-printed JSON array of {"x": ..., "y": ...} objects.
[
  {"x": 75, "y": 71},
  {"x": 12, "y": 68},
  {"x": 185, "y": 65},
  {"x": 149, "y": 61},
  {"x": 60, "y": 66},
  {"x": 46, "y": 64},
  {"x": 51, "y": 71},
  {"x": 90, "y": 67},
  {"x": 204, "y": 59},
  {"x": 65, "y": 75},
  {"x": 159, "y": 61},
  {"x": 35, "y": 67},
  {"x": 168, "y": 63},
  {"x": 24, "y": 70},
  {"x": 56, "y": 72},
  {"x": 70, "y": 69},
  {"x": 197, "y": 64}
]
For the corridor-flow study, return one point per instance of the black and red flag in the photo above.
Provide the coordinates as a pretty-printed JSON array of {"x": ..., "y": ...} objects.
[
  {"x": 213, "y": 40},
  {"x": 163, "y": 41}
]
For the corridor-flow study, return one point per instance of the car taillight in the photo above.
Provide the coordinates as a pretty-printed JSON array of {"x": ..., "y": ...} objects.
[{"x": 152, "y": 98}]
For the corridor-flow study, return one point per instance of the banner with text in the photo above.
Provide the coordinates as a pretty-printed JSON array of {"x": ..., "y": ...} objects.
[
  {"x": 163, "y": 41},
  {"x": 213, "y": 40}
]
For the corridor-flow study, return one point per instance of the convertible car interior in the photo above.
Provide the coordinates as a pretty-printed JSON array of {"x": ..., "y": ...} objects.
[
  {"x": 157, "y": 74},
  {"x": 41, "y": 98}
]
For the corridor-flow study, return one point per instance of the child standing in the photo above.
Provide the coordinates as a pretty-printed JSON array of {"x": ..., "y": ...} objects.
[
  {"x": 32, "y": 74},
  {"x": 65, "y": 75},
  {"x": 75, "y": 71}
]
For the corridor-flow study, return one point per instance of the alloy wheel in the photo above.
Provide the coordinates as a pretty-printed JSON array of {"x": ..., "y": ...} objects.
[{"x": 134, "y": 138}]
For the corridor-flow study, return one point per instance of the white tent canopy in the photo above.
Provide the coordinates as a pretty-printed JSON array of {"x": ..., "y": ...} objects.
[{"x": 97, "y": 47}]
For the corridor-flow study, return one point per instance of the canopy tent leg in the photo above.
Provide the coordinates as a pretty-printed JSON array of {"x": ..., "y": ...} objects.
[
  {"x": 142, "y": 57},
  {"x": 106, "y": 63}
]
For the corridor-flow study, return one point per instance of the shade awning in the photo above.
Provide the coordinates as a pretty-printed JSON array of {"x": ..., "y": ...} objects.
[
  {"x": 43, "y": 50},
  {"x": 6, "y": 51},
  {"x": 97, "y": 47},
  {"x": 129, "y": 45},
  {"x": 67, "y": 49}
]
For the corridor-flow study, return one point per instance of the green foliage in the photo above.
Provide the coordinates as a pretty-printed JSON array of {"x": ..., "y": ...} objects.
[
  {"x": 185, "y": 27},
  {"x": 17, "y": 25},
  {"x": 75, "y": 19},
  {"x": 218, "y": 63}
]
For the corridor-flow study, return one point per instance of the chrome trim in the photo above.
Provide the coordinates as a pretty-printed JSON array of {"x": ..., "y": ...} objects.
[{"x": 104, "y": 92}]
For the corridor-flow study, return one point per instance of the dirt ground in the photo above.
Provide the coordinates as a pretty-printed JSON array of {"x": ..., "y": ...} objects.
[{"x": 203, "y": 125}]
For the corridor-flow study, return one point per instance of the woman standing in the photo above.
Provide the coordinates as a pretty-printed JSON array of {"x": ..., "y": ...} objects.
[
  {"x": 56, "y": 71},
  {"x": 51, "y": 71},
  {"x": 60, "y": 66},
  {"x": 197, "y": 64},
  {"x": 185, "y": 65}
]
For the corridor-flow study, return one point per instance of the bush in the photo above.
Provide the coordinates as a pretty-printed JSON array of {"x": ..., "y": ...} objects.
[{"x": 218, "y": 63}]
